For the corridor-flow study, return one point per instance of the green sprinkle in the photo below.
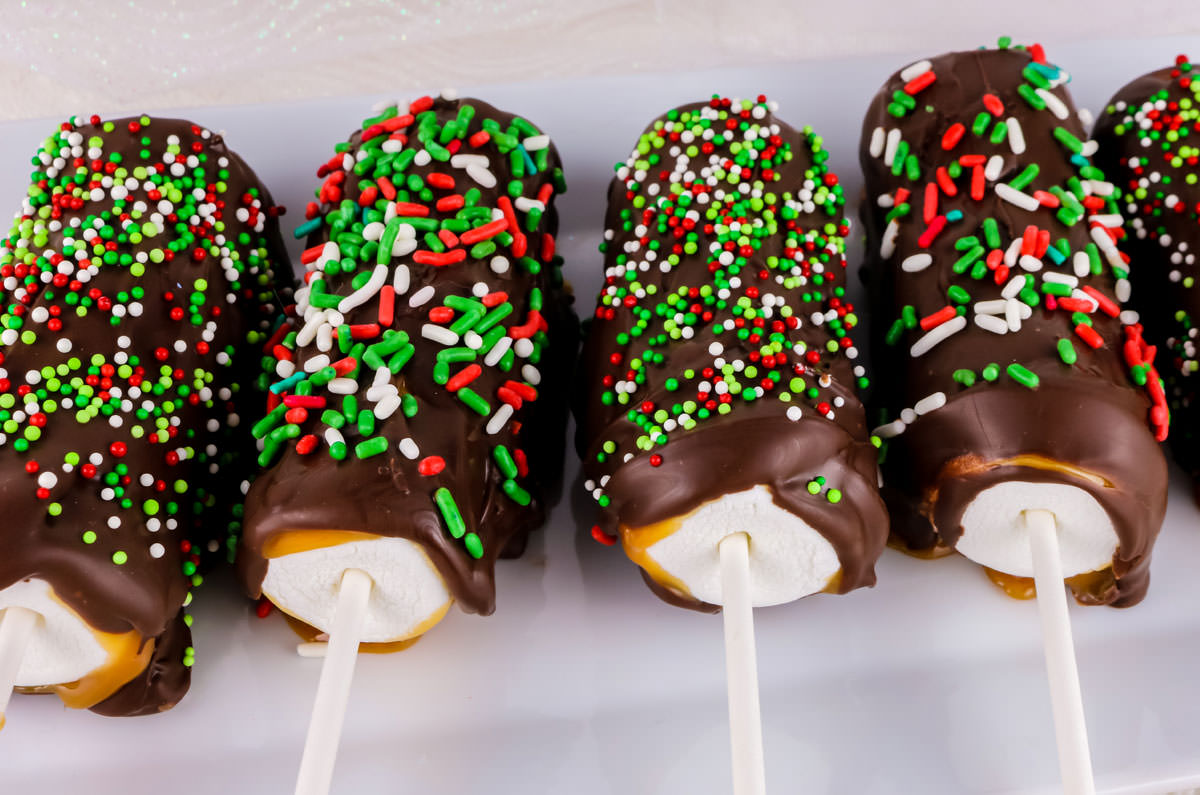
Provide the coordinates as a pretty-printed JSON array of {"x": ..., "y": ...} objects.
[
  {"x": 450, "y": 514},
  {"x": 371, "y": 447},
  {"x": 1023, "y": 376},
  {"x": 1066, "y": 351}
]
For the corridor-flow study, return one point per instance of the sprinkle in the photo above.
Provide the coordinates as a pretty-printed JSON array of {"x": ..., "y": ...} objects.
[
  {"x": 937, "y": 335},
  {"x": 450, "y": 514},
  {"x": 1022, "y": 376},
  {"x": 1014, "y": 196}
]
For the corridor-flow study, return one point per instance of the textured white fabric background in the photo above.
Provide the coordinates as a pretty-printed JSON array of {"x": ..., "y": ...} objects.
[{"x": 65, "y": 56}]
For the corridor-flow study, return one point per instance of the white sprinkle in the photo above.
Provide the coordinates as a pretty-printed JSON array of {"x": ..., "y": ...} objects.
[
  {"x": 342, "y": 386},
  {"x": 877, "y": 138},
  {"x": 1081, "y": 264},
  {"x": 1122, "y": 290},
  {"x": 993, "y": 307},
  {"x": 715, "y": 348},
  {"x": 893, "y": 142},
  {"x": 439, "y": 334},
  {"x": 1015, "y": 285},
  {"x": 423, "y": 158},
  {"x": 481, "y": 175},
  {"x": 409, "y": 449},
  {"x": 63, "y": 345},
  {"x": 1012, "y": 314},
  {"x": 324, "y": 337},
  {"x": 930, "y": 403},
  {"x": 888, "y": 246},
  {"x": 1106, "y": 244},
  {"x": 367, "y": 291},
  {"x": 387, "y": 407},
  {"x": 499, "y": 265},
  {"x": 531, "y": 374},
  {"x": 916, "y": 263},
  {"x": 464, "y": 160},
  {"x": 1030, "y": 263},
  {"x": 400, "y": 279},
  {"x": 499, "y": 419},
  {"x": 523, "y": 347},
  {"x": 536, "y": 142},
  {"x": 333, "y": 436},
  {"x": 47, "y": 480},
  {"x": 1060, "y": 278},
  {"x": 498, "y": 350},
  {"x": 473, "y": 340},
  {"x": 421, "y": 297},
  {"x": 1016, "y": 136},
  {"x": 1013, "y": 196},
  {"x": 995, "y": 165},
  {"x": 937, "y": 334},
  {"x": 794, "y": 413},
  {"x": 913, "y": 71},
  {"x": 991, "y": 323},
  {"x": 1129, "y": 317},
  {"x": 894, "y": 428},
  {"x": 1111, "y": 220},
  {"x": 1053, "y": 103},
  {"x": 157, "y": 550}
]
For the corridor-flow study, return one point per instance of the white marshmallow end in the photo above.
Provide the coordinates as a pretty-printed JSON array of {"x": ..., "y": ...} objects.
[
  {"x": 408, "y": 596},
  {"x": 63, "y": 648},
  {"x": 995, "y": 535},
  {"x": 788, "y": 558}
]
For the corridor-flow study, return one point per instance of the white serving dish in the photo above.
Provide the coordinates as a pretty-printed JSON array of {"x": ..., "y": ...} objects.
[{"x": 583, "y": 682}]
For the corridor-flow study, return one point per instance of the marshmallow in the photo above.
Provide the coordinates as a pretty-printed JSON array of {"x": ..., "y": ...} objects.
[
  {"x": 408, "y": 596},
  {"x": 63, "y": 647},
  {"x": 789, "y": 559},
  {"x": 995, "y": 535}
]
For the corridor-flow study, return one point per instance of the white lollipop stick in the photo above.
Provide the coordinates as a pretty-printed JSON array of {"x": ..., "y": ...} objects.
[
  {"x": 333, "y": 688},
  {"x": 741, "y": 667},
  {"x": 16, "y": 628},
  {"x": 1066, "y": 700}
]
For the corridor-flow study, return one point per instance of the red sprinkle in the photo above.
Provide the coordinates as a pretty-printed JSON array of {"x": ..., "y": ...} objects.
[
  {"x": 931, "y": 201},
  {"x": 945, "y": 183},
  {"x": 938, "y": 318},
  {"x": 1089, "y": 335},
  {"x": 440, "y": 180},
  {"x": 920, "y": 82},
  {"x": 263, "y": 608},
  {"x": 464, "y": 377},
  {"x": 485, "y": 232},
  {"x": 1107, "y": 305},
  {"x": 930, "y": 234},
  {"x": 306, "y": 444},
  {"x": 953, "y": 135},
  {"x": 604, "y": 538},
  {"x": 304, "y": 401},
  {"x": 993, "y": 104},
  {"x": 431, "y": 465},
  {"x": 387, "y": 305},
  {"x": 411, "y": 209},
  {"x": 439, "y": 260}
]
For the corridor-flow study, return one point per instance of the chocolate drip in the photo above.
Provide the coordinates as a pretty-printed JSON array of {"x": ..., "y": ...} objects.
[
  {"x": 178, "y": 285},
  {"x": 1163, "y": 234},
  {"x": 387, "y": 494},
  {"x": 817, "y": 460},
  {"x": 1040, "y": 389}
]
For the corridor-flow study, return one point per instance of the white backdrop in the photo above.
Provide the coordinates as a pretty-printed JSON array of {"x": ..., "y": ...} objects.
[{"x": 63, "y": 56}]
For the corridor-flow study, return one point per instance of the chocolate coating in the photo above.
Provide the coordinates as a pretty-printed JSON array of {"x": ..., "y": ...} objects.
[
  {"x": 1164, "y": 228},
  {"x": 1086, "y": 414},
  {"x": 140, "y": 490},
  {"x": 789, "y": 270},
  {"x": 387, "y": 494}
]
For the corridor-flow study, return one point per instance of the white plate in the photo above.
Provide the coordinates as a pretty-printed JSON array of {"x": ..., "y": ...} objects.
[{"x": 583, "y": 682}]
